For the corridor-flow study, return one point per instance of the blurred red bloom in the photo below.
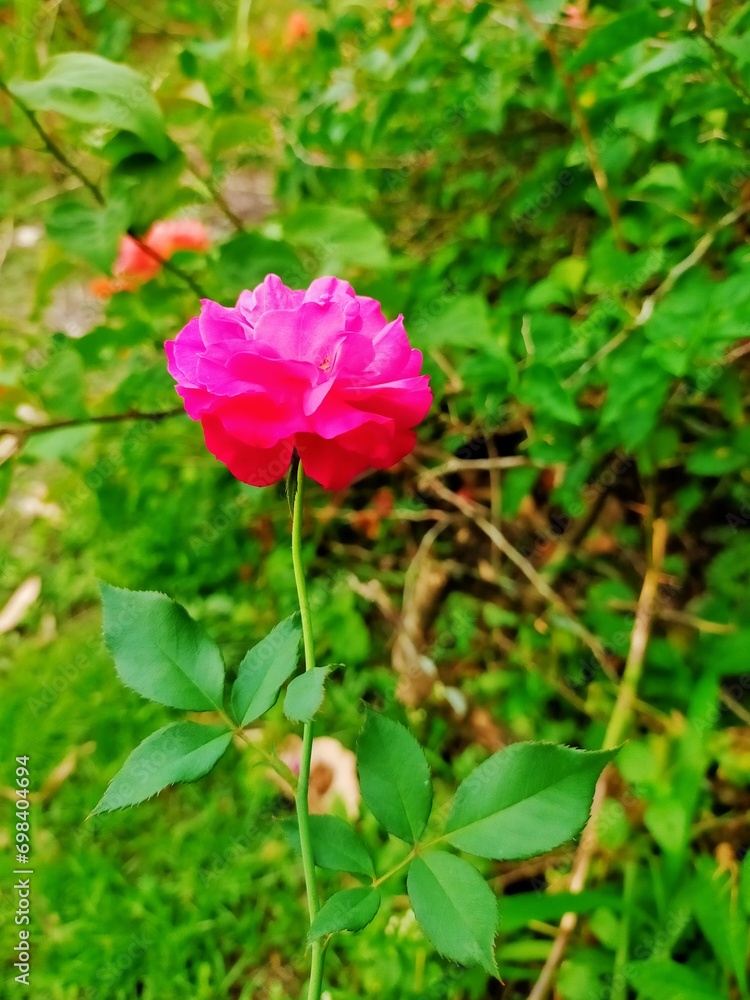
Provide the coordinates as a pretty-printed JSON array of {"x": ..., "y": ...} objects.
[
  {"x": 297, "y": 29},
  {"x": 574, "y": 16},
  {"x": 135, "y": 265},
  {"x": 402, "y": 19}
]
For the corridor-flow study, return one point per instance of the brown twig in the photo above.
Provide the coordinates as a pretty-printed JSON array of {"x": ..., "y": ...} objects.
[
  {"x": 479, "y": 464},
  {"x": 679, "y": 618},
  {"x": 519, "y": 872},
  {"x": 616, "y": 731},
  {"x": 722, "y": 57},
  {"x": 186, "y": 278},
  {"x": 559, "y": 685},
  {"x": 592, "y": 155},
  {"x": 734, "y": 706},
  {"x": 496, "y": 499},
  {"x": 476, "y": 512},
  {"x": 106, "y": 418},
  {"x": 237, "y": 223},
  {"x": 569, "y": 541},
  {"x": 649, "y": 304},
  {"x": 51, "y": 146},
  {"x": 719, "y": 822}
]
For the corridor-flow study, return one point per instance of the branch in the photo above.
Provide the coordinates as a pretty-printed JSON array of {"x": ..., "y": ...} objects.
[
  {"x": 483, "y": 464},
  {"x": 496, "y": 499},
  {"x": 582, "y": 123},
  {"x": 649, "y": 304},
  {"x": 722, "y": 58},
  {"x": 51, "y": 146},
  {"x": 220, "y": 200},
  {"x": 22, "y": 433},
  {"x": 680, "y": 617},
  {"x": 570, "y": 539},
  {"x": 616, "y": 731},
  {"x": 475, "y": 512},
  {"x": 169, "y": 266},
  {"x": 734, "y": 706}
]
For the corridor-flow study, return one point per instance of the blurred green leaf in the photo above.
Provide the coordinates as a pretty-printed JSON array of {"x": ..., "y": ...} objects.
[
  {"x": 541, "y": 388},
  {"x": 245, "y": 260},
  {"x": 727, "y": 929},
  {"x": 683, "y": 52},
  {"x": 89, "y": 88},
  {"x": 628, "y": 28},
  {"x": 147, "y": 184},
  {"x": 721, "y": 453},
  {"x": 6, "y": 479},
  {"x": 91, "y": 233},
  {"x": 458, "y": 321},
  {"x": 337, "y": 237},
  {"x": 518, "y": 910},
  {"x": 653, "y": 977}
]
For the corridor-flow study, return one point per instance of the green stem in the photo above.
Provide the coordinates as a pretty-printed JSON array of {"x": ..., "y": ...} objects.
[
  {"x": 397, "y": 868},
  {"x": 619, "y": 981},
  {"x": 303, "y": 784}
]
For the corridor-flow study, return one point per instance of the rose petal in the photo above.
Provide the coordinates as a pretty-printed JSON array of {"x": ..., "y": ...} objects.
[
  {"x": 255, "y": 466},
  {"x": 334, "y": 463}
]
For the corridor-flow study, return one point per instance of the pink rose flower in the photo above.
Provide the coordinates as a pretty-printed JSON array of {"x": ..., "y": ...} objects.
[{"x": 317, "y": 370}]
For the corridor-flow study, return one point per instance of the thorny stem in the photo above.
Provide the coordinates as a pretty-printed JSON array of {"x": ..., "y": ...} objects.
[{"x": 303, "y": 783}]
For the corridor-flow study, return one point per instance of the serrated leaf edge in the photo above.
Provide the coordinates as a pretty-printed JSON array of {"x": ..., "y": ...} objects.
[
  {"x": 96, "y": 811},
  {"x": 183, "y": 708}
]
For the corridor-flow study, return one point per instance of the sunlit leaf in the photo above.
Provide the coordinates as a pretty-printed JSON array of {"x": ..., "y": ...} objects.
[
  {"x": 91, "y": 89},
  {"x": 526, "y": 799}
]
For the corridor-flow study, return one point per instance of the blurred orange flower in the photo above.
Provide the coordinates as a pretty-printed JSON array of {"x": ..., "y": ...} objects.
[
  {"x": 402, "y": 19},
  {"x": 135, "y": 265},
  {"x": 297, "y": 29},
  {"x": 574, "y": 16}
]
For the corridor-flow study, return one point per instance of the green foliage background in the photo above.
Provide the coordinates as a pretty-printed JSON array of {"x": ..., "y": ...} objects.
[{"x": 555, "y": 197}]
